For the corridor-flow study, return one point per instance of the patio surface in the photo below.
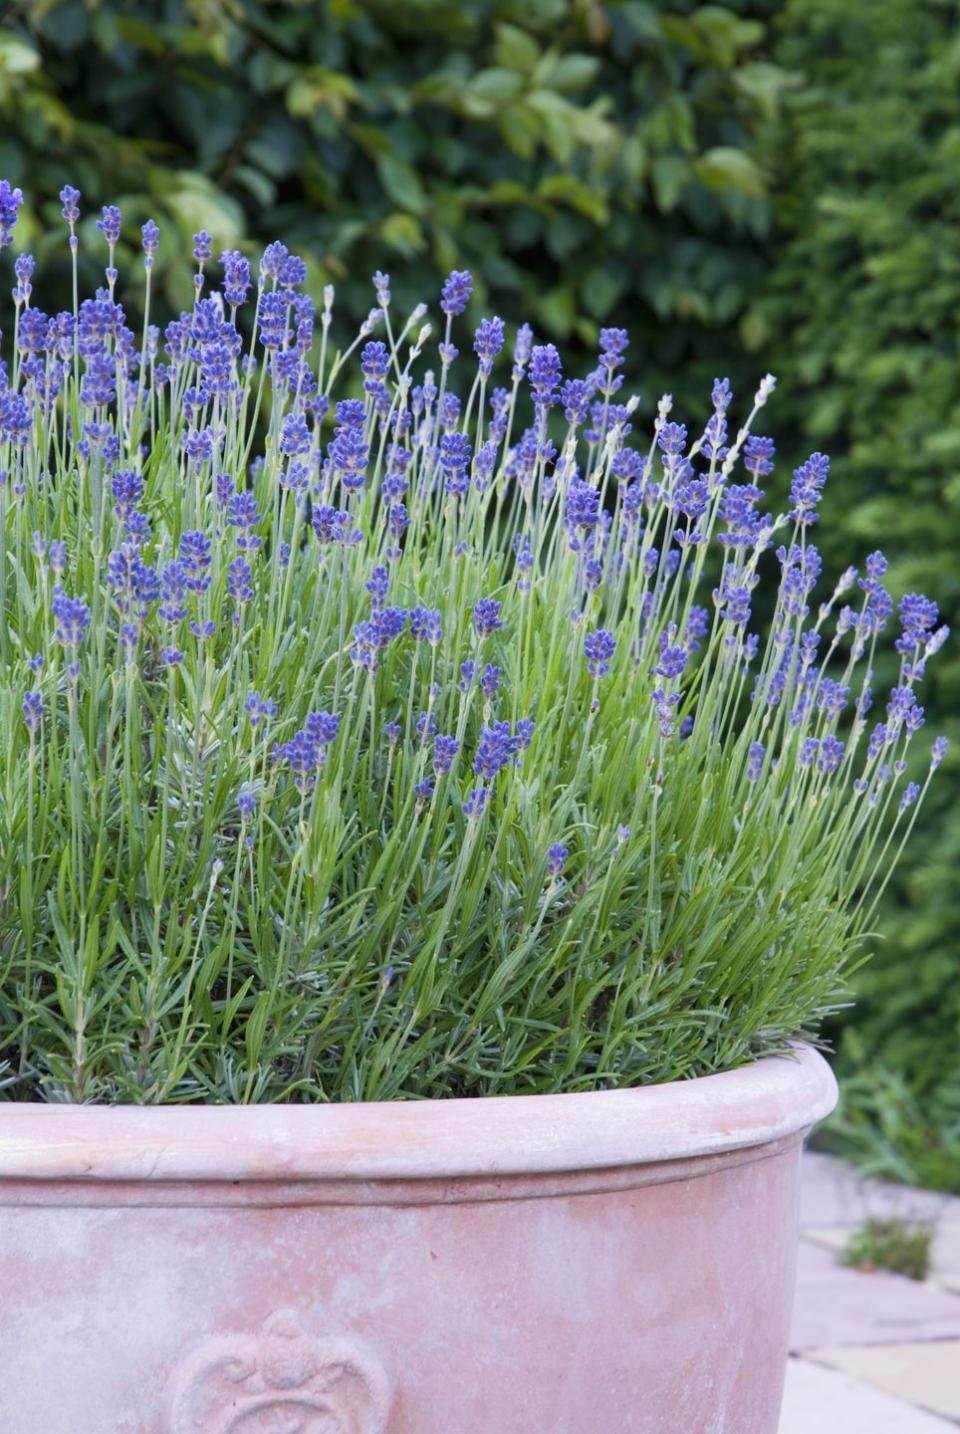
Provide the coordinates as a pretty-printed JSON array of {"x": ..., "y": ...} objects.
[{"x": 872, "y": 1352}]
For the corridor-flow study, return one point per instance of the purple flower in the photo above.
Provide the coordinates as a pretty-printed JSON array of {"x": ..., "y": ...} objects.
[
  {"x": 523, "y": 550},
  {"x": 202, "y": 247},
  {"x": 914, "y": 719},
  {"x": 758, "y": 455},
  {"x": 348, "y": 454},
  {"x": 490, "y": 680},
  {"x": 37, "y": 340},
  {"x": 575, "y": 397},
  {"x": 545, "y": 374},
  {"x": 172, "y": 656},
  {"x": 15, "y": 417},
  {"x": 349, "y": 413},
  {"x": 801, "y": 569},
  {"x": 918, "y": 615},
  {"x": 370, "y": 638},
  {"x": 487, "y": 342},
  {"x": 426, "y": 624},
  {"x": 137, "y": 584},
  {"x": 556, "y": 859},
  {"x": 242, "y": 513},
  {"x": 476, "y": 801},
  {"x": 195, "y": 552},
  {"x": 259, "y": 709},
  {"x": 323, "y": 728},
  {"x": 444, "y": 751},
  {"x": 807, "y": 488},
  {"x": 32, "y": 708},
  {"x": 33, "y": 322},
  {"x": 698, "y": 625},
  {"x": 880, "y": 737},
  {"x": 150, "y": 238},
  {"x": 374, "y": 361},
  {"x": 672, "y": 439},
  {"x": 938, "y": 752},
  {"x": 613, "y": 345},
  {"x": 745, "y": 526},
  {"x": 377, "y": 586},
  {"x": 238, "y": 583},
  {"x": 910, "y": 793},
  {"x": 598, "y": 649},
  {"x": 304, "y": 757},
  {"x": 808, "y": 751},
  {"x": 521, "y": 351},
  {"x": 456, "y": 291},
  {"x": 877, "y": 610},
  {"x": 672, "y": 659},
  {"x": 692, "y": 499},
  {"x": 333, "y": 525},
  {"x": 455, "y": 454},
  {"x": 246, "y": 801},
  {"x": 583, "y": 505},
  {"x": 832, "y": 698},
  {"x": 70, "y": 198},
  {"x": 109, "y": 225},
  {"x": 72, "y": 618},
  {"x": 173, "y": 586},
  {"x": 236, "y": 277},
  {"x": 129, "y": 637},
  {"x": 399, "y": 520},
  {"x": 423, "y": 791},
  {"x": 902, "y": 700},
  {"x": 272, "y": 320},
  {"x": 271, "y": 260},
  {"x": 294, "y": 435},
  {"x": 292, "y": 271},
  {"x": 486, "y": 616},
  {"x": 755, "y": 761},
  {"x": 831, "y": 754},
  {"x": 525, "y": 730},
  {"x": 497, "y": 747},
  {"x": 10, "y": 202}
]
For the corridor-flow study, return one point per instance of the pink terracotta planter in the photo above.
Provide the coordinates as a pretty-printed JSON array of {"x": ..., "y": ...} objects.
[{"x": 619, "y": 1262}]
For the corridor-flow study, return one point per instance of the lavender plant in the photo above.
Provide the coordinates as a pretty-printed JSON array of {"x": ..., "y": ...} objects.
[{"x": 383, "y": 723}]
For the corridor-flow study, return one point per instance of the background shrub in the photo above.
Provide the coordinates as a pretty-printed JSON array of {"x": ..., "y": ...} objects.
[
  {"x": 588, "y": 162},
  {"x": 858, "y": 317}
]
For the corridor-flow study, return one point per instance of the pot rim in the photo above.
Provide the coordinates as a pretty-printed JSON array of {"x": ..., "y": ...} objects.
[{"x": 489, "y": 1137}]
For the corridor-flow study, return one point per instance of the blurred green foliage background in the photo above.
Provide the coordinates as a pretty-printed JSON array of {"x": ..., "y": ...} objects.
[{"x": 758, "y": 184}]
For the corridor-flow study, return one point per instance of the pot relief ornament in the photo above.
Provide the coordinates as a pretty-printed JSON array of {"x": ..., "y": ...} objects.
[{"x": 279, "y": 1380}]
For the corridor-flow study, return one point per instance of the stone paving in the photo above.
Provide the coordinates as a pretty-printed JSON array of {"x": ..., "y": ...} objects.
[{"x": 872, "y": 1352}]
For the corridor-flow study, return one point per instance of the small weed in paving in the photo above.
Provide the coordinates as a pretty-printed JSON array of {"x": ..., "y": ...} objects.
[{"x": 892, "y": 1244}]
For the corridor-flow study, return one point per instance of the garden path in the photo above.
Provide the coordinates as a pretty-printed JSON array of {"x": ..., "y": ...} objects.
[{"x": 872, "y": 1352}]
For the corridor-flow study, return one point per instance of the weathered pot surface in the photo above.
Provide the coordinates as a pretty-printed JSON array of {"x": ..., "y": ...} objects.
[{"x": 620, "y": 1261}]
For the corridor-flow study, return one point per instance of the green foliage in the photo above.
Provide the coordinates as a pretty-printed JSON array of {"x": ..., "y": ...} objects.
[
  {"x": 746, "y": 185},
  {"x": 859, "y": 318},
  {"x": 890, "y": 1244},
  {"x": 880, "y": 1122},
  {"x": 569, "y": 888},
  {"x": 587, "y": 161}
]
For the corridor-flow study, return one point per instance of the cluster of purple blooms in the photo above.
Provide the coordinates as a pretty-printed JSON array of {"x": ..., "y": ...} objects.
[
  {"x": 306, "y": 751},
  {"x": 353, "y": 484}
]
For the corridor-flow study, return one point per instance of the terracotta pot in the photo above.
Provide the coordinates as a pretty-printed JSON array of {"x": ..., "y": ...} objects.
[{"x": 619, "y": 1262}]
